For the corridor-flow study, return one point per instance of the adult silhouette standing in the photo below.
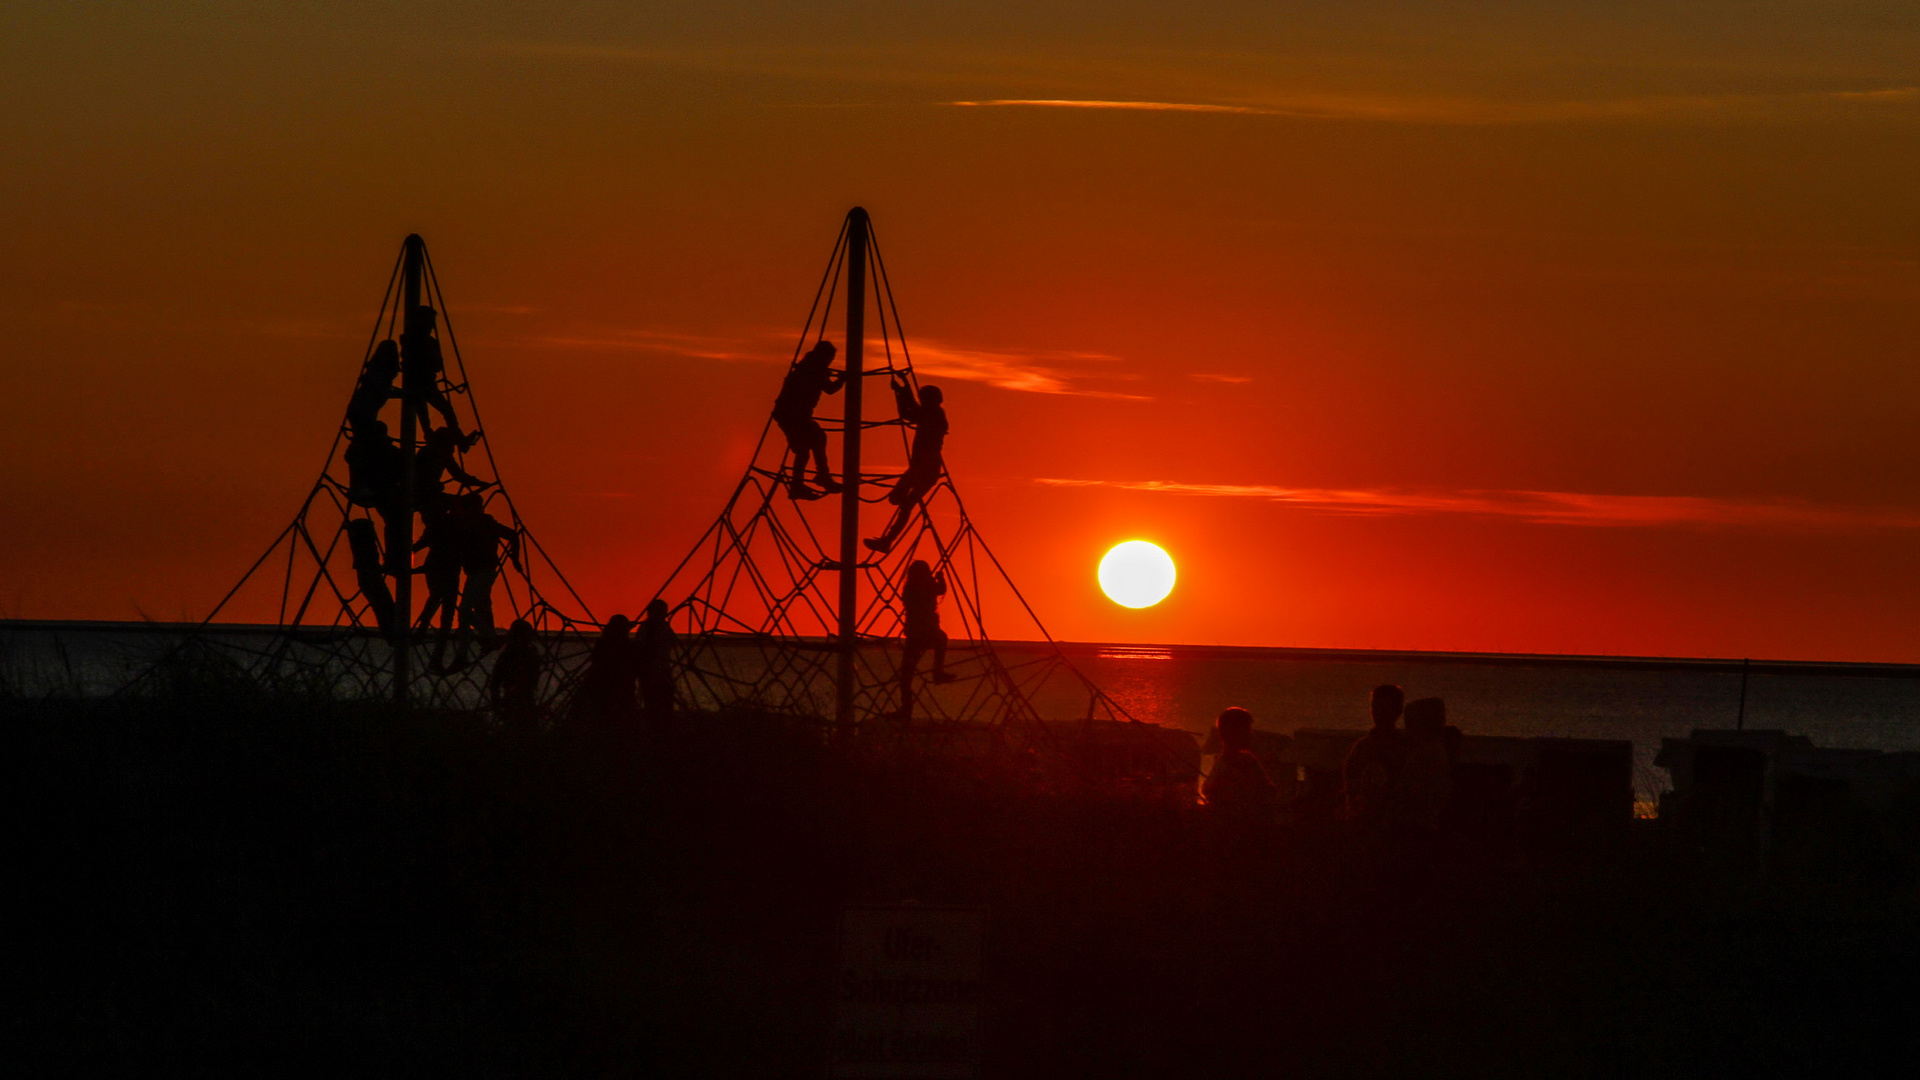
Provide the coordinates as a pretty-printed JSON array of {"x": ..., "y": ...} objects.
[
  {"x": 515, "y": 683},
  {"x": 656, "y": 644},
  {"x": 808, "y": 378},
  {"x": 605, "y": 698},
  {"x": 1426, "y": 767},
  {"x": 1238, "y": 788},
  {"x": 1373, "y": 765},
  {"x": 924, "y": 462}
]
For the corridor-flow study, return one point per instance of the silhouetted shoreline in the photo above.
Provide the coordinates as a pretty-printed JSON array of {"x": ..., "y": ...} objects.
[
  {"x": 1132, "y": 650},
  {"x": 243, "y": 882}
]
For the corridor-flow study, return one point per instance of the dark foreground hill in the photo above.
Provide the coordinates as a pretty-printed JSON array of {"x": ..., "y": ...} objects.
[{"x": 292, "y": 888}]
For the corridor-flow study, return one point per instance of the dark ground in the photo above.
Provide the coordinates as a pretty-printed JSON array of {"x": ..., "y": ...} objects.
[{"x": 212, "y": 888}]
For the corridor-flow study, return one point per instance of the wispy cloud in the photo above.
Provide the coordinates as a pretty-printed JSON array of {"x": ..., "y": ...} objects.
[
  {"x": 1207, "y": 376},
  {"x": 1038, "y": 371},
  {"x": 1417, "y": 109},
  {"x": 1545, "y": 507},
  {"x": 1150, "y": 106},
  {"x": 1229, "y": 83},
  {"x": 1898, "y": 95}
]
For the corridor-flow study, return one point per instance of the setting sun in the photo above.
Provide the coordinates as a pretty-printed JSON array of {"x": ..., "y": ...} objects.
[{"x": 1136, "y": 574}]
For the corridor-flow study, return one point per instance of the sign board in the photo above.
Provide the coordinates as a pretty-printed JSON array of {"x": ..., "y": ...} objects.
[{"x": 909, "y": 994}]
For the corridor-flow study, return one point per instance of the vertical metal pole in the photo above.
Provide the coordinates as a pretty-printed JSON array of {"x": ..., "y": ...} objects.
[
  {"x": 850, "y": 470},
  {"x": 400, "y": 527}
]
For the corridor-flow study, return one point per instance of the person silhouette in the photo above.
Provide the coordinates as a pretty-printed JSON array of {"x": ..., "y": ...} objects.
[
  {"x": 480, "y": 534},
  {"x": 655, "y": 645},
  {"x": 1372, "y": 770},
  {"x": 363, "y": 540},
  {"x": 924, "y": 466},
  {"x": 439, "y": 457},
  {"x": 1426, "y": 766},
  {"x": 423, "y": 368},
  {"x": 515, "y": 682},
  {"x": 920, "y": 597},
  {"x": 606, "y": 695},
  {"x": 375, "y": 387},
  {"x": 441, "y": 538},
  {"x": 808, "y": 378},
  {"x": 376, "y": 467},
  {"x": 1238, "y": 786}
]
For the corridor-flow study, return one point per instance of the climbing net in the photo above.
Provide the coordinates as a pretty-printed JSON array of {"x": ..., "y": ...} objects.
[
  {"x": 328, "y": 638},
  {"x": 756, "y": 600}
]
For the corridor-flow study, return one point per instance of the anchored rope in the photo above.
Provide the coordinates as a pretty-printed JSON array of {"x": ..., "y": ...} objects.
[{"x": 756, "y": 596}]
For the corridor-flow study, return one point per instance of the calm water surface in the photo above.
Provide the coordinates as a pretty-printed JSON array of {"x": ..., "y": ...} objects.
[{"x": 1573, "y": 701}]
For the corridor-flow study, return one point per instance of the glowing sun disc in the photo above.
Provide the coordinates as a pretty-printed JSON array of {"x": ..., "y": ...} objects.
[{"x": 1136, "y": 574}]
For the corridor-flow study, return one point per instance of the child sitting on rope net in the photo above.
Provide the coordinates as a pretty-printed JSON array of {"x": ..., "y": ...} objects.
[{"x": 924, "y": 465}]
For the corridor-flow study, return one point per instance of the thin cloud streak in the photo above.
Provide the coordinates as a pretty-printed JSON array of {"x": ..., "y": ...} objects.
[
  {"x": 1031, "y": 371},
  {"x": 1039, "y": 372},
  {"x": 1151, "y": 106},
  {"x": 1544, "y": 507},
  {"x": 1246, "y": 97},
  {"x": 1481, "y": 111}
]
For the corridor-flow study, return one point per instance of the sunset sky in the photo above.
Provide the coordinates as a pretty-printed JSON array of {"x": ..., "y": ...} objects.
[{"x": 1541, "y": 327}]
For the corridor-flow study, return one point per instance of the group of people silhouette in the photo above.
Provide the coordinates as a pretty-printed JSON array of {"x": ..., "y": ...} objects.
[
  {"x": 462, "y": 541},
  {"x": 812, "y": 376},
  {"x": 626, "y": 678},
  {"x": 1394, "y": 780}
]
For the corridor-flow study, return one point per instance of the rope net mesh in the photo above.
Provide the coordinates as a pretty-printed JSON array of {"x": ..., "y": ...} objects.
[
  {"x": 326, "y": 638},
  {"x": 756, "y": 602}
]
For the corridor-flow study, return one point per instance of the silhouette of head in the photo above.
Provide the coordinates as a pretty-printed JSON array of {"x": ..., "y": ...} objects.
[
  {"x": 617, "y": 626},
  {"x": 377, "y": 429},
  {"x": 473, "y": 503},
  {"x": 931, "y": 395},
  {"x": 1426, "y": 716},
  {"x": 1387, "y": 699},
  {"x": 918, "y": 571},
  {"x": 386, "y": 356},
  {"x": 422, "y": 318},
  {"x": 657, "y": 610},
  {"x": 520, "y": 633},
  {"x": 821, "y": 353},
  {"x": 1236, "y": 728}
]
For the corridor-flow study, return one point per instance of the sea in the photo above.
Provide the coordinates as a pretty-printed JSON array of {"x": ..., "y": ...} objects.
[
  {"x": 1641, "y": 699},
  {"x": 1864, "y": 706}
]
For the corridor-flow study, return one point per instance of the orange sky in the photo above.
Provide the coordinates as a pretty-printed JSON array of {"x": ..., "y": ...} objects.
[{"x": 1539, "y": 328}]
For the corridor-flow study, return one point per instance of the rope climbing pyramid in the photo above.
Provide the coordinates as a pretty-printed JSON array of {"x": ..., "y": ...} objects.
[
  {"x": 785, "y": 606},
  {"x": 357, "y": 618}
]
